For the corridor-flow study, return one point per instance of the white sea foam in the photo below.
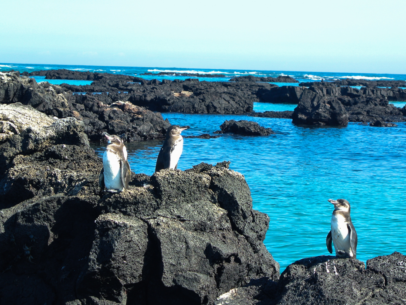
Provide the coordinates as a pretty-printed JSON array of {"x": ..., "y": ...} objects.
[
  {"x": 313, "y": 77},
  {"x": 365, "y": 77},
  {"x": 29, "y": 67},
  {"x": 5, "y": 66},
  {"x": 80, "y": 69},
  {"x": 187, "y": 71}
]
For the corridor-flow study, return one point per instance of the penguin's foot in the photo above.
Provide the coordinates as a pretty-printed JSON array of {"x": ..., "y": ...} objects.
[{"x": 342, "y": 254}]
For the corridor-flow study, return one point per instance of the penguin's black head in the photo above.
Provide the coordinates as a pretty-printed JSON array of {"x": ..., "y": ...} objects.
[
  {"x": 340, "y": 205},
  {"x": 113, "y": 139},
  {"x": 175, "y": 130}
]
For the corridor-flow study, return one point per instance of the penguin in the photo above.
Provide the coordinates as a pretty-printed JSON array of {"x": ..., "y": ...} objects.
[
  {"x": 116, "y": 173},
  {"x": 171, "y": 149},
  {"x": 342, "y": 233}
]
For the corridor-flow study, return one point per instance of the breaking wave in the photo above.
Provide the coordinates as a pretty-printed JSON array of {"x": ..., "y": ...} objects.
[
  {"x": 366, "y": 77},
  {"x": 187, "y": 71},
  {"x": 313, "y": 77}
]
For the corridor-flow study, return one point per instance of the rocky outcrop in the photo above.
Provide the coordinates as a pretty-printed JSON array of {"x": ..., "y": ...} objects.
[
  {"x": 25, "y": 130},
  {"x": 86, "y": 75},
  {"x": 323, "y": 112},
  {"x": 293, "y": 95},
  {"x": 328, "y": 280},
  {"x": 379, "y": 123},
  {"x": 359, "y": 82},
  {"x": 250, "y": 78},
  {"x": 246, "y": 128},
  {"x": 99, "y": 113},
  {"x": 174, "y": 238},
  {"x": 362, "y": 105}
]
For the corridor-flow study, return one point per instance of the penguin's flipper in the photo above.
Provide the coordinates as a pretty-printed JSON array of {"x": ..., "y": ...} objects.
[
  {"x": 353, "y": 238},
  {"x": 329, "y": 241},
  {"x": 101, "y": 180},
  {"x": 164, "y": 159},
  {"x": 125, "y": 173}
]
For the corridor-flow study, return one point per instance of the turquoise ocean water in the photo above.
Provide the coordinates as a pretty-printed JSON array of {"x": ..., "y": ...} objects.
[{"x": 294, "y": 172}]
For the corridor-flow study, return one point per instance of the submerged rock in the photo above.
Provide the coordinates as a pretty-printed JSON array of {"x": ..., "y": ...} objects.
[
  {"x": 274, "y": 114},
  {"x": 246, "y": 128},
  {"x": 379, "y": 123}
]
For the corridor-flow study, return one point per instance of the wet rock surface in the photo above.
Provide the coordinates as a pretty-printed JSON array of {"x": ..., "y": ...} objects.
[
  {"x": 246, "y": 128},
  {"x": 99, "y": 113},
  {"x": 172, "y": 238},
  {"x": 323, "y": 112},
  {"x": 274, "y": 114},
  {"x": 379, "y": 123}
]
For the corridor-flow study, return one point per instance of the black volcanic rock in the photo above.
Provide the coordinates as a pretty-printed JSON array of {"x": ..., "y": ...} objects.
[
  {"x": 246, "y": 128},
  {"x": 320, "y": 112},
  {"x": 327, "y": 280},
  {"x": 250, "y": 78},
  {"x": 172, "y": 238},
  {"x": 100, "y": 113},
  {"x": 379, "y": 123},
  {"x": 273, "y": 114},
  {"x": 358, "y": 82}
]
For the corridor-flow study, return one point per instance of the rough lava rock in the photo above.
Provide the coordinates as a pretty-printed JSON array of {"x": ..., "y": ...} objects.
[
  {"x": 324, "y": 112},
  {"x": 379, "y": 123},
  {"x": 246, "y": 128},
  {"x": 250, "y": 78},
  {"x": 273, "y": 114},
  {"x": 99, "y": 113},
  {"x": 172, "y": 238}
]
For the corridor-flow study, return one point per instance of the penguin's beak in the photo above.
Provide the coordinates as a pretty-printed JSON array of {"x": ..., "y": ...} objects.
[
  {"x": 108, "y": 137},
  {"x": 184, "y": 128},
  {"x": 333, "y": 201}
]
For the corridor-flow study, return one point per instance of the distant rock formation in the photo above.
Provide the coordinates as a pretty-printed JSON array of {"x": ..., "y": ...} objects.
[
  {"x": 250, "y": 78},
  {"x": 246, "y": 128},
  {"x": 184, "y": 74},
  {"x": 99, "y": 113}
]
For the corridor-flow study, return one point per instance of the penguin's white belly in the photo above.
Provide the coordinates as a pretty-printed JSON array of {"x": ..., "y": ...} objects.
[
  {"x": 340, "y": 235},
  {"x": 112, "y": 177},
  {"x": 176, "y": 153}
]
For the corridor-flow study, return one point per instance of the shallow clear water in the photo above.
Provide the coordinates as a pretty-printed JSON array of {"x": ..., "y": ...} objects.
[
  {"x": 294, "y": 172},
  {"x": 41, "y": 79}
]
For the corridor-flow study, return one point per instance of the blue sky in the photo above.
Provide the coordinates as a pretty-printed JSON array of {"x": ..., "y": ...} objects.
[{"x": 312, "y": 35}]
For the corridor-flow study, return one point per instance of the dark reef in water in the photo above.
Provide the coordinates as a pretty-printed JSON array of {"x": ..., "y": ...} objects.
[
  {"x": 246, "y": 128},
  {"x": 176, "y": 237},
  {"x": 250, "y": 78},
  {"x": 358, "y": 82}
]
